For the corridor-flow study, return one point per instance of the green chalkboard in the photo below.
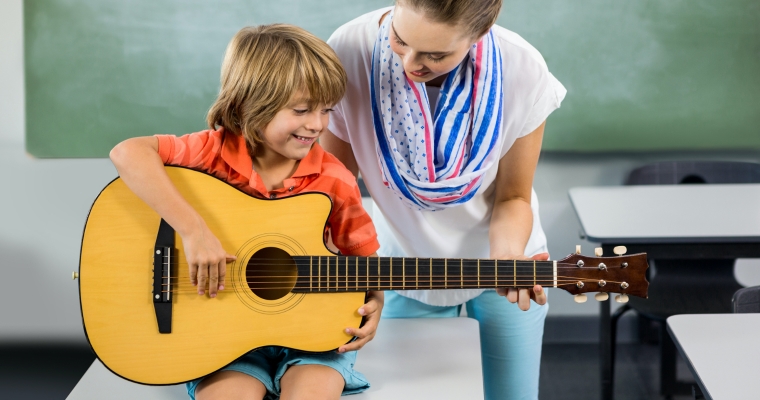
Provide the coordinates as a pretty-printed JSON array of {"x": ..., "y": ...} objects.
[
  {"x": 99, "y": 71},
  {"x": 648, "y": 74},
  {"x": 640, "y": 74}
]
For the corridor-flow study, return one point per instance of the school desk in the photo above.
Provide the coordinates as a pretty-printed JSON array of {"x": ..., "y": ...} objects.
[
  {"x": 722, "y": 351},
  {"x": 437, "y": 358},
  {"x": 668, "y": 222}
]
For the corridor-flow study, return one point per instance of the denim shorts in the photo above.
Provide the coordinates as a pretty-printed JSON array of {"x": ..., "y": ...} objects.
[{"x": 268, "y": 365}]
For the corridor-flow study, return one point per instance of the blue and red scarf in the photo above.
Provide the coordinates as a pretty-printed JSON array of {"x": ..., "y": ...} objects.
[{"x": 436, "y": 160}]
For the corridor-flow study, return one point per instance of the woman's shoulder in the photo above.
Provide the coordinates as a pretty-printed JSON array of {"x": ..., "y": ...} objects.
[
  {"x": 357, "y": 31},
  {"x": 523, "y": 64}
]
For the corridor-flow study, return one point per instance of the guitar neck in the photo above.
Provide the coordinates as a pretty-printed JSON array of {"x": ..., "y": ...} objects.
[{"x": 351, "y": 274}]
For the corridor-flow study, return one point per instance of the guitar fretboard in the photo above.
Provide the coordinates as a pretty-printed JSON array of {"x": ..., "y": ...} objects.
[{"x": 352, "y": 274}]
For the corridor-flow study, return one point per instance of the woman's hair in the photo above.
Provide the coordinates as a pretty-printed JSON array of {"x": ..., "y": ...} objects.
[
  {"x": 264, "y": 66},
  {"x": 476, "y": 16}
]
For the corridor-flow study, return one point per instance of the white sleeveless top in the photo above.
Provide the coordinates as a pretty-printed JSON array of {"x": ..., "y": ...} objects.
[{"x": 531, "y": 93}]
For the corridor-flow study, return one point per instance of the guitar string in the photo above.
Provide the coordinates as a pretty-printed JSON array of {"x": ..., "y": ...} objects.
[
  {"x": 187, "y": 287},
  {"x": 569, "y": 266}
]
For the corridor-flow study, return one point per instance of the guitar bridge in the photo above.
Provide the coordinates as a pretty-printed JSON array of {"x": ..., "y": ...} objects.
[{"x": 164, "y": 261}]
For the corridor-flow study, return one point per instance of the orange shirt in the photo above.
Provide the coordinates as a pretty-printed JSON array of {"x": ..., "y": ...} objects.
[{"x": 226, "y": 157}]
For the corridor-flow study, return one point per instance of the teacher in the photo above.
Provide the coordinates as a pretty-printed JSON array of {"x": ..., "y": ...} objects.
[{"x": 444, "y": 116}]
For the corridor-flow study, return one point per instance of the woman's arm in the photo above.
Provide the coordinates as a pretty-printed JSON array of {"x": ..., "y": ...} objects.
[
  {"x": 340, "y": 149},
  {"x": 512, "y": 218},
  {"x": 142, "y": 170}
]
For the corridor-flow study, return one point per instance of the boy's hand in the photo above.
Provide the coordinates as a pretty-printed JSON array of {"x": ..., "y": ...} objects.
[
  {"x": 206, "y": 260},
  {"x": 523, "y": 296},
  {"x": 371, "y": 310}
]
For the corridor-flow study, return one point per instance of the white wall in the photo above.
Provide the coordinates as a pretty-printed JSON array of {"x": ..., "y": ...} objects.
[
  {"x": 11, "y": 72},
  {"x": 44, "y": 204}
]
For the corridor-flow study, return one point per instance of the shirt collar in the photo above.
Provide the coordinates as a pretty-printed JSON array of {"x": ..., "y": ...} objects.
[{"x": 235, "y": 154}]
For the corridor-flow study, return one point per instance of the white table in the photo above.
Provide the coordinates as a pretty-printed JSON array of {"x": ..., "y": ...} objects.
[
  {"x": 408, "y": 359},
  {"x": 669, "y": 213},
  {"x": 723, "y": 352},
  {"x": 714, "y": 222}
]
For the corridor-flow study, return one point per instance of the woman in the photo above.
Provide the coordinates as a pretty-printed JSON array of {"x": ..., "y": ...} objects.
[{"x": 444, "y": 117}]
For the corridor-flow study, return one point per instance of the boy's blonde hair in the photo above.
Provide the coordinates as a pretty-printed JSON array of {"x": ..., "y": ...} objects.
[{"x": 264, "y": 66}]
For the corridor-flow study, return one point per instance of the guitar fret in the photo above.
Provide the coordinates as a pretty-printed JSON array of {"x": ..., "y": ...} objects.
[
  {"x": 403, "y": 273},
  {"x": 515, "y": 271},
  {"x": 311, "y": 273},
  {"x": 390, "y": 274},
  {"x": 446, "y": 273},
  {"x": 346, "y": 273},
  {"x": 417, "y": 272},
  {"x": 319, "y": 274},
  {"x": 496, "y": 273},
  {"x": 478, "y": 272},
  {"x": 357, "y": 273},
  {"x": 534, "y": 272},
  {"x": 431, "y": 273},
  {"x": 461, "y": 273}
]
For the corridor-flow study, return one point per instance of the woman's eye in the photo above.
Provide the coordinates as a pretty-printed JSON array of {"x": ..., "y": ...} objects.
[
  {"x": 435, "y": 59},
  {"x": 300, "y": 112},
  {"x": 327, "y": 110}
]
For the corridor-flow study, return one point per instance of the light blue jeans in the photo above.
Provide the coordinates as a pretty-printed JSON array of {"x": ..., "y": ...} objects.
[{"x": 510, "y": 339}]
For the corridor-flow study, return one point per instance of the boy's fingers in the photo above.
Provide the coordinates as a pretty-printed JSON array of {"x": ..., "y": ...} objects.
[
  {"x": 202, "y": 278},
  {"x": 213, "y": 279},
  {"x": 364, "y": 335},
  {"x": 193, "y": 274},
  {"x": 222, "y": 274}
]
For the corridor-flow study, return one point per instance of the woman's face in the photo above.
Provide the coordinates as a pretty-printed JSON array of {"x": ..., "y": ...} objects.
[{"x": 427, "y": 49}]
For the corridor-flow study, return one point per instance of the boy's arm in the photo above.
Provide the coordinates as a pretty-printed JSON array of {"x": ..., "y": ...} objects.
[
  {"x": 371, "y": 310},
  {"x": 142, "y": 170}
]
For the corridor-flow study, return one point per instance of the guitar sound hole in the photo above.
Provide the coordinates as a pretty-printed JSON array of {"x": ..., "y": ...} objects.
[{"x": 271, "y": 273}]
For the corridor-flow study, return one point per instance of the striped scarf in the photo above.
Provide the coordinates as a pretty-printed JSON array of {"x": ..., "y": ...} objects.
[{"x": 435, "y": 161}]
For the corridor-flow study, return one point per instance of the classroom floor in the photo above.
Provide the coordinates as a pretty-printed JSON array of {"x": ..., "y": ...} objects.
[{"x": 568, "y": 371}]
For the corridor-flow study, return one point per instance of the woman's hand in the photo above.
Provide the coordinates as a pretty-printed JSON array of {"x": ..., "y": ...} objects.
[
  {"x": 371, "y": 310},
  {"x": 523, "y": 296},
  {"x": 206, "y": 260}
]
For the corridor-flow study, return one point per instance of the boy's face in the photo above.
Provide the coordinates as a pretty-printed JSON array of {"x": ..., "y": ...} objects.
[{"x": 295, "y": 128}]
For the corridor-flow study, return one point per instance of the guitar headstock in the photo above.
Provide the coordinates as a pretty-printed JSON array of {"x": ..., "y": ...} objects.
[{"x": 624, "y": 274}]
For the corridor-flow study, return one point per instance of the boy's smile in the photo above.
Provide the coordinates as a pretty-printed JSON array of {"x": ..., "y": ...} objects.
[{"x": 291, "y": 133}]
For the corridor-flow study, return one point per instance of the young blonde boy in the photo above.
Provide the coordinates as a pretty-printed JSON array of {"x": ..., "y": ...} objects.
[{"x": 278, "y": 83}]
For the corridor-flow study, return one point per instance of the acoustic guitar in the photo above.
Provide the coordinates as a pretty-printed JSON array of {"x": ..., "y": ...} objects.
[{"x": 147, "y": 323}]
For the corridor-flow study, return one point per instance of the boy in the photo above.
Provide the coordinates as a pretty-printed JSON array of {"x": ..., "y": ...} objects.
[{"x": 277, "y": 84}]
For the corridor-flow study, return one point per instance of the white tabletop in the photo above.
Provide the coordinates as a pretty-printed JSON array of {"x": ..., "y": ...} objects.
[
  {"x": 409, "y": 359},
  {"x": 669, "y": 213},
  {"x": 723, "y": 352}
]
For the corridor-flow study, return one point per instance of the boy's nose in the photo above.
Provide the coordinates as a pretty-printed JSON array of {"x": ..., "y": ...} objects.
[{"x": 314, "y": 123}]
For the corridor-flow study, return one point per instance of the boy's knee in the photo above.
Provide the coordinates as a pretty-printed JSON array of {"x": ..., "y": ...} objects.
[
  {"x": 311, "y": 382},
  {"x": 230, "y": 385}
]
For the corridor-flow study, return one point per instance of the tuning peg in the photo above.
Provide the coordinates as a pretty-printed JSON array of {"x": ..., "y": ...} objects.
[
  {"x": 621, "y": 298},
  {"x": 580, "y": 298},
  {"x": 601, "y": 296},
  {"x": 598, "y": 252},
  {"x": 74, "y": 275},
  {"x": 619, "y": 250},
  {"x": 577, "y": 249}
]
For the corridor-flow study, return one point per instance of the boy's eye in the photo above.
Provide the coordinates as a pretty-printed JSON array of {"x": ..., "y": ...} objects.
[
  {"x": 301, "y": 111},
  {"x": 327, "y": 110},
  {"x": 400, "y": 43}
]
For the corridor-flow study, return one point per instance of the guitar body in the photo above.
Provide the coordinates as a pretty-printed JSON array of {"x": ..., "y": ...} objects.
[{"x": 116, "y": 283}]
